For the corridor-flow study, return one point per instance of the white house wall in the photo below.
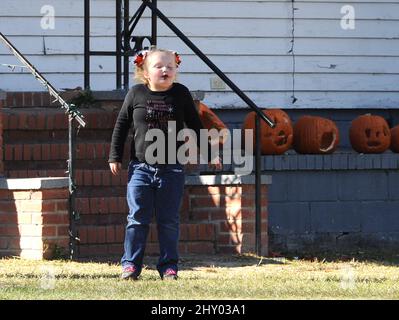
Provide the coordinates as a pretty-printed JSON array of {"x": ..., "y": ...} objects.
[{"x": 249, "y": 40}]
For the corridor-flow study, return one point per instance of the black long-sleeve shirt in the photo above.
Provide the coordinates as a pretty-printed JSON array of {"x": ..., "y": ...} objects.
[{"x": 143, "y": 110}]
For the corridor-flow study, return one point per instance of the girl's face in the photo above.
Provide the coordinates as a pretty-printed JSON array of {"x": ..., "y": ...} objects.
[{"x": 160, "y": 70}]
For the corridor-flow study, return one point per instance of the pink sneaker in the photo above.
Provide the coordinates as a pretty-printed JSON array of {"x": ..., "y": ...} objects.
[
  {"x": 130, "y": 272},
  {"x": 169, "y": 274}
]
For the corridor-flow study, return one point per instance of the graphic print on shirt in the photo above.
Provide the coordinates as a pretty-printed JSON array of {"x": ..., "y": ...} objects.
[{"x": 158, "y": 114}]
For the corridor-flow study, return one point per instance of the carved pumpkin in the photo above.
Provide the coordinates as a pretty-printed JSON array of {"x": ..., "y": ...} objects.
[
  {"x": 395, "y": 139},
  {"x": 211, "y": 121},
  {"x": 315, "y": 135},
  {"x": 370, "y": 134},
  {"x": 275, "y": 140}
]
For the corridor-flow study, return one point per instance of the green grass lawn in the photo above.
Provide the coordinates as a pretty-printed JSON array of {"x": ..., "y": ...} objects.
[{"x": 203, "y": 277}]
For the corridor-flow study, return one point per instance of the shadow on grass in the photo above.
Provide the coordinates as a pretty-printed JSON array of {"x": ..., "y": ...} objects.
[
  {"x": 190, "y": 262},
  {"x": 63, "y": 276},
  {"x": 379, "y": 257},
  {"x": 193, "y": 261}
]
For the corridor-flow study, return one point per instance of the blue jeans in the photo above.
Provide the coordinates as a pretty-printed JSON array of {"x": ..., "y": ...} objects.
[{"x": 153, "y": 189}]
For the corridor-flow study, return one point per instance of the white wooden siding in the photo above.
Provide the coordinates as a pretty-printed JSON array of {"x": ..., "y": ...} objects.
[{"x": 249, "y": 40}]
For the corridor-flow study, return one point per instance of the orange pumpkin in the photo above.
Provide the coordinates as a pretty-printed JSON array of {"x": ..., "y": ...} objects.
[
  {"x": 275, "y": 140},
  {"x": 211, "y": 121},
  {"x": 369, "y": 134},
  {"x": 395, "y": 139},
  {"x": 315, "y": 135}
]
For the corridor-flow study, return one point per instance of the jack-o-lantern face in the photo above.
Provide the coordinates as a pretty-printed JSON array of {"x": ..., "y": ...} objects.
[
  {"x": 315, "y": 135},
  {"x": 395, "y": 139},
  {"x": 275, "y": 140},
  {"x": 370, "y": 134}
]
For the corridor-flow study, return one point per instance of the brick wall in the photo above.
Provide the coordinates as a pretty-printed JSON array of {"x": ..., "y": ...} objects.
[
  {"x": 228, "y": 210},
  {"x": 317, "y": 202},
  {"x": 29, "y": 99},
  {"x": 36, "y": 145},
  {"x": 216, "y": 217},
  {"x": 34, "y": 218},
  {"x": 2, "y": 103}
]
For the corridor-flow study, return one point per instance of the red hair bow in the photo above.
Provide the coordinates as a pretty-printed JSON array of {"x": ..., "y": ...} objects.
[
  {"x": 140, "y": 57},
  {"x": 177, "y": 58}
]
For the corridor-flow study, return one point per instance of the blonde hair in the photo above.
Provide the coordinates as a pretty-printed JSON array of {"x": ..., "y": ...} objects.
[{"x": 139, "y": 69}]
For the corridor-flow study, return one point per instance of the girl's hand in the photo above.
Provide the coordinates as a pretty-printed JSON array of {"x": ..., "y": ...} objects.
[
  {"x": 115, "y": 167},
  {"x": 217, "y": 165}
]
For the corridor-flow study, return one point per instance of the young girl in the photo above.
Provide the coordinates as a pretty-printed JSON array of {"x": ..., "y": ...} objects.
[{"x": 153, "y": 188}]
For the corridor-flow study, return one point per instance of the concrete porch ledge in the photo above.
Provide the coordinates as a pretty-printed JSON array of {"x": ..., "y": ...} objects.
[
  {"x": 225, "y": 179},
  {"x": 33, "y": 183}
]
